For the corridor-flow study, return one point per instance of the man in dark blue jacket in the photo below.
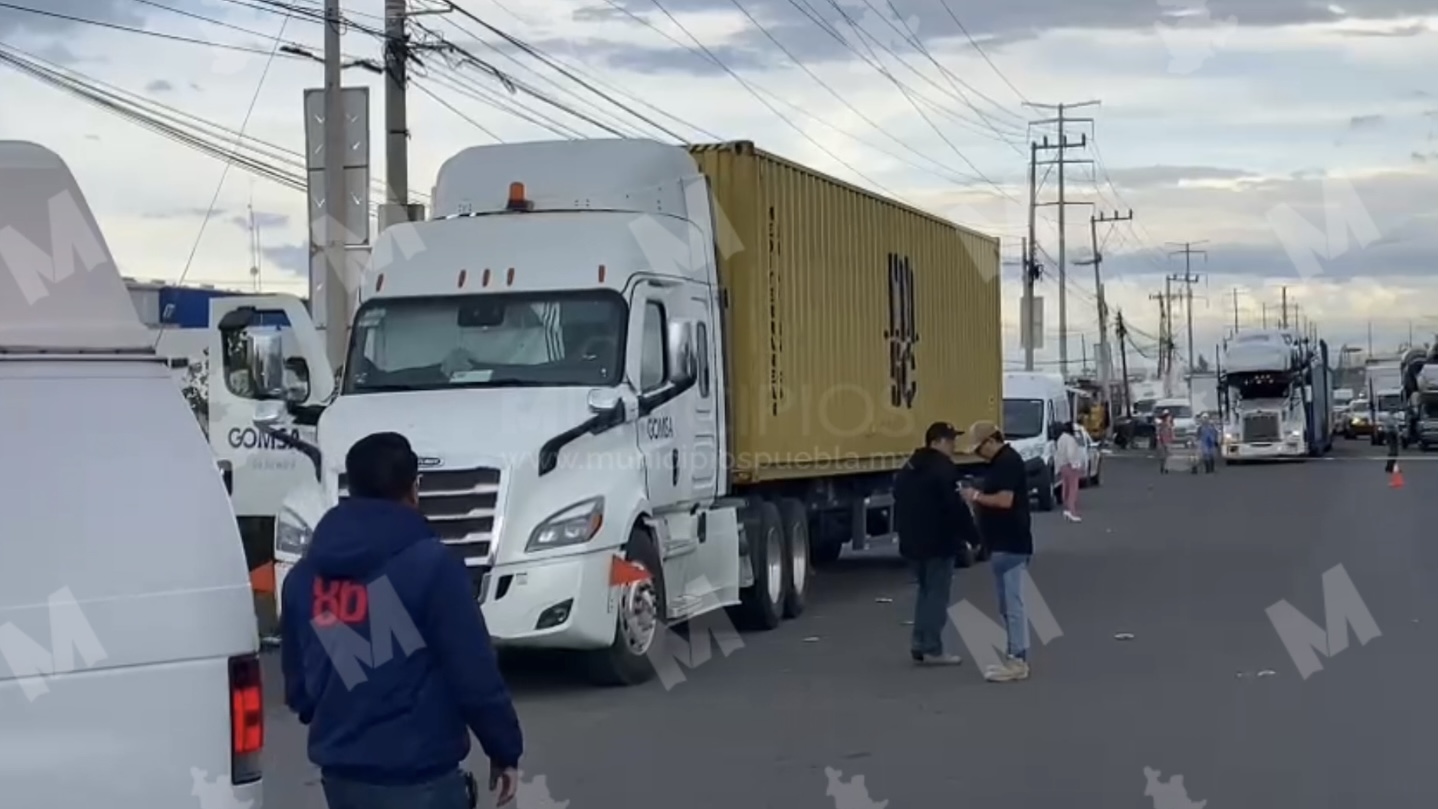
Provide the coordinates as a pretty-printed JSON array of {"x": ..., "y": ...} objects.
[
  {"x": 386, "y": 655},
  {"x": 934, "y": 525}
]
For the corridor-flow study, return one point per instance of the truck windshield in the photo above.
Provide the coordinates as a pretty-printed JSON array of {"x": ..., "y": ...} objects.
[
  {"x": 491, "y": 340},
  {"x": 1177, "y": 411},
  {"x": 1390, "y": 403},
  {"x": 1023, "y": 418},
  {"x": 1430, "y": 407}
]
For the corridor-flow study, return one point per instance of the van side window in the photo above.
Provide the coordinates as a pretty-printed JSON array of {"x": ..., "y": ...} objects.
[
  {"x": 701, "y": 340},
  {"x": 653, "y": 359}
]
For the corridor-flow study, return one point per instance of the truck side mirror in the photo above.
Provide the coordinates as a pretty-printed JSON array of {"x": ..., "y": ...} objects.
[
  {"x": 265, "y": 363},
  {"x": 683, "y": 364}
]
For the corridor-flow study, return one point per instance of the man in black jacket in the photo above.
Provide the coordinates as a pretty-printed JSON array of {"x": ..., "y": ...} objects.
[{"x": 933, "y": 522}]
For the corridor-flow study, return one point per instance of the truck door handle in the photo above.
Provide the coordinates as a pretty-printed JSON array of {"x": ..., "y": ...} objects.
[{"x": 674, "y": 464}]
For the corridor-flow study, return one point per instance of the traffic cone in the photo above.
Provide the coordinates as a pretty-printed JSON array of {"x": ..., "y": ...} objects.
[{"x": 1395, "y": 480}]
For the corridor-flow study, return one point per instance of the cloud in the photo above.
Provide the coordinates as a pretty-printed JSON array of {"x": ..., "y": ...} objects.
[
  {"x": 1152, "y": 176},
  {"x": 1366, "y": 121},
  {"x": 819, "y": 32},
  {"x": 1411, "y": 30},
  {"x": 262, "y": 220},
  {"x": 293, "y": 258}
]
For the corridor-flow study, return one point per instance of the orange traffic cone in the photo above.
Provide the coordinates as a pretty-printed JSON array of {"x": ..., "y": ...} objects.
[{"x": 1395, "y": 480}]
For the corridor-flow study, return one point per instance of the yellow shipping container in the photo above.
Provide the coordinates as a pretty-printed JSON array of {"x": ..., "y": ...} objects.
[{"x": 853, "y": 321}]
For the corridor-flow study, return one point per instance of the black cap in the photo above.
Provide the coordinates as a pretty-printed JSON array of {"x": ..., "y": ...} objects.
[{"x": 941, "y": 431}]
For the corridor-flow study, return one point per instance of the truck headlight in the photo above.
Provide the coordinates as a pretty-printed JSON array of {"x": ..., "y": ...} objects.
[
  {"x": 291, "y": 534},
  {"x": 575, "y": 525}
]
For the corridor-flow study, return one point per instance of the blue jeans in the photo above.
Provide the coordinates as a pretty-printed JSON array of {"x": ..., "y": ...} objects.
[
  {"x": 446, "y": 792},
  {"x": 1009, "y": 569},
  {"x": 931, "y": 603}
]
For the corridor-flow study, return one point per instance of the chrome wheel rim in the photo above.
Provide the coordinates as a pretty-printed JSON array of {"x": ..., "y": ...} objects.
[
  {"x": 799, "y": 558},
  {"x": 639, "y": 614},
  {"x": 774, "y": 561}
]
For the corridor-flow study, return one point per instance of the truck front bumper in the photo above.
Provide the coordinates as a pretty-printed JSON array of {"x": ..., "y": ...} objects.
[
  {"x": 561, "y": 603},
  {"x": 1259, "y": 451}
]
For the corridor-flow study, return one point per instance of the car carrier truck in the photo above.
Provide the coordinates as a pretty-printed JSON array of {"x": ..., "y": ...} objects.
[
  {"x": 1276, "y": 392},
  {"x": 648, "y": 382}
]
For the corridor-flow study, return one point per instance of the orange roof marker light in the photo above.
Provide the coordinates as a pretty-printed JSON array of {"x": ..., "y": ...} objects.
[
  {"x": 463, "y": 276},
  {"x": 517, "y": 200},
  {"x": 484, "y": 279},
  {"x": 509, "y": 277},
  {"x": 602, "y": 273},
  {"x": 379, "y": 282}
]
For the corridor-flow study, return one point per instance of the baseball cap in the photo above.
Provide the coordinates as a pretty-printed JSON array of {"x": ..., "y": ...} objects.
[
  {"x": 941, "y": 430},
  {"x": 981, "y": 431}
]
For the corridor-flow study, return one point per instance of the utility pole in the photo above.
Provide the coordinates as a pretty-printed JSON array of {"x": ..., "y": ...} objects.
[
  {"x": 1030, "y": 269},
  {"x": 1235, "y": 310},
  {"x": 1188, "y": 281},
  {"x": 336, "y": 292},
  {"x": 1163, "y": 331},
  {"x": 396, "y": 111},
  {"x": 1062, "y": 120},
  {"x": 397, "y": 54},
  {"x": 1105, "y": 356},
  {"x": 1283, "y": 324},
  {"x": 1121, "y": 332}
]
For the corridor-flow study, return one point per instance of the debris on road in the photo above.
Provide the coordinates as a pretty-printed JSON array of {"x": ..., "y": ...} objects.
[
  {"x": 812, "y": 639},
  {"x": 1123, "y": 636},
  {"x": 883, "y": 601},
  {"x": 1267, "y": 673}
]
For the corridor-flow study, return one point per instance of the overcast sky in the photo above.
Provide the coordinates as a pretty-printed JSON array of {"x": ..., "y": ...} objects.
[{"x": 1292, "y": 141}]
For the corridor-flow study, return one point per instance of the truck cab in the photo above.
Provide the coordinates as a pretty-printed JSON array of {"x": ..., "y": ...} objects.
[{"x": 563, "y": 391}]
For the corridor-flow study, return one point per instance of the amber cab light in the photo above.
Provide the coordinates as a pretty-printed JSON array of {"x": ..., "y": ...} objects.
[
  {"x": 517, "y": 200},
  {"x": 247, "y": 719}
]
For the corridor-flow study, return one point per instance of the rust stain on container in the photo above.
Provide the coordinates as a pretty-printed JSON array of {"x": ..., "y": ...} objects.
[{"x": 853, "y": 321}]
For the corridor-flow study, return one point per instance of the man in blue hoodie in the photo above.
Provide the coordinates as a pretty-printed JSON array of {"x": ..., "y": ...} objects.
[{"x": 385, "y": 652}]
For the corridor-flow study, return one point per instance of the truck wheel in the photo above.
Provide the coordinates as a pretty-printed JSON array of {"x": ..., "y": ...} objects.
[
  {"x": 1046, "y": 490},
  {"x": 796, "y": 555},
  {"x": 761, "y": 606},
  {"x": 639, "y": 624}
]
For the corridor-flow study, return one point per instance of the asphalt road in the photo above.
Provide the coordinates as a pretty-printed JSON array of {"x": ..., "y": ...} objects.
[{"x": 1205, "y": 688}]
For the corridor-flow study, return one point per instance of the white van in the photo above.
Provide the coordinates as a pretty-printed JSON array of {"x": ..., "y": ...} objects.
[
  {"x": 129, "y": 673},
  {"x": 1034, "y": 405}
]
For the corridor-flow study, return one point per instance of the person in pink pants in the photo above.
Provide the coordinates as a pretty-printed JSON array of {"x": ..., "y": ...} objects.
[{"x": 1070, "y": 459}]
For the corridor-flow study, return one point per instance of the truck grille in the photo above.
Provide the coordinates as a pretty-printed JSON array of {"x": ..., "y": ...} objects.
[
  {"x": 1260, "y": 427},
  {"x": 460, "y": 504}
]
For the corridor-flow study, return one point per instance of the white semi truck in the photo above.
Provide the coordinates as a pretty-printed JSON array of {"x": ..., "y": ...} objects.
[
  {"x": 646, "y": 382},
  {"x": 1277, "y": 393}
]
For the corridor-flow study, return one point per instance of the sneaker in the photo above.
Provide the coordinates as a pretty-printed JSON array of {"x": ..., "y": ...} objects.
[
  {"x": 1011, "y": 670},
  {"x": 938, "y": 660}
]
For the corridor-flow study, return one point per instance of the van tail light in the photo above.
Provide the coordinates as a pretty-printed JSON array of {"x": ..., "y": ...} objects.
[{"x": 247, "y": 719}]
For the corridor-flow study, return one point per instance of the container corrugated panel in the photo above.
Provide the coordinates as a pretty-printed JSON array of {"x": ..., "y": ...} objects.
[{"x": 853, "y": 321}]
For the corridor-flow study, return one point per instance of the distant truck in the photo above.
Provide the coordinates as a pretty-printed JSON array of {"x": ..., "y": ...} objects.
[
  {"x": 1386, "y": 401},
  {"x": 649, "y": 382},
  {"x": 1277, "y": 397},
  {"x": 1420, "y": 392}
]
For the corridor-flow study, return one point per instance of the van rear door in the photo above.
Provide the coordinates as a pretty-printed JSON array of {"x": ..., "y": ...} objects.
[{"x": 128, "y": 674}]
